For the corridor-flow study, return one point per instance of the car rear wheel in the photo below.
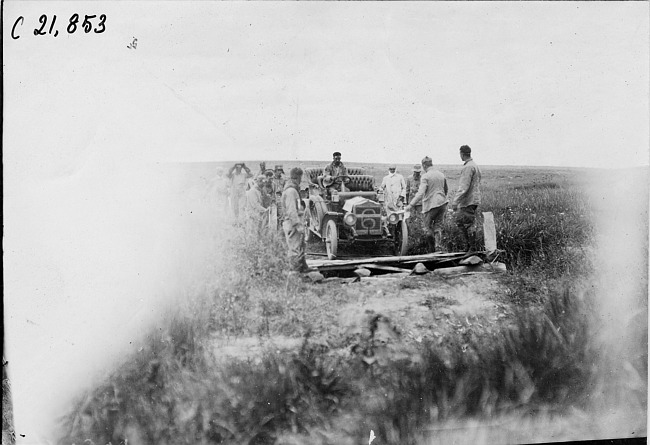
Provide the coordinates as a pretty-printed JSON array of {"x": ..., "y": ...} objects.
[
  {"x": 401, "y": 239},
  {"x": 331, "y": 239}
]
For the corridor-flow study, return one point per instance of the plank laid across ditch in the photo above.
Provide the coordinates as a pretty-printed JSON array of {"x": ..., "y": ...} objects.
[{"x": 408, "y": 259}]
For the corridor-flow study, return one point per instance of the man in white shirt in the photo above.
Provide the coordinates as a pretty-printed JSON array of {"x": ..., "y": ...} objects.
[
  {"x": 238, "y": 176},
  {"x": 394, "y": 188},
  {"x": 255, "y": 210}
]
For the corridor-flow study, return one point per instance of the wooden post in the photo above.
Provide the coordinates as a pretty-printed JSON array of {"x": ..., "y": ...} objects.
[{"x": 489, "y": 232}]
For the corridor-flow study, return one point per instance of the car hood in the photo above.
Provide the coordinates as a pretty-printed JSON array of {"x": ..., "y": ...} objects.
[{"x": 350, "y": 203}]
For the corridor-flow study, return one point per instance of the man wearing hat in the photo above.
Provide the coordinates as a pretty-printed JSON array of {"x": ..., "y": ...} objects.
[
  {"x": 255, "y": 209},
  {"x": 433, "y": 195},
  {"x": 467, "y": 198},
  {"x": 238, "y": 175},
  {"x": 293, "y": 223},
  {"x": 334, "y": 170},
  {"x": 394, "y": 188}
]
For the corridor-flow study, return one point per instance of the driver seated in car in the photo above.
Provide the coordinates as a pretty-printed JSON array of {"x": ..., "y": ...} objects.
[{"x": 333, "y": 173}]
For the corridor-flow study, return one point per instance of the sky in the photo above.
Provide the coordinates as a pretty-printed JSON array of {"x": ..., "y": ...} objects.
[
  {"x": 548, "y": 83},
  {"x": 95, "y": 221}
]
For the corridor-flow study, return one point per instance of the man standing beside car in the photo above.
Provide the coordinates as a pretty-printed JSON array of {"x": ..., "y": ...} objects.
[
  {"x": 293, "y": 223},
  {"x": 412, "y": 186},
  {"x": 433, "y": 195},
  {"x": 394, "y": 188},
  {"x": 467, "y": 198}
]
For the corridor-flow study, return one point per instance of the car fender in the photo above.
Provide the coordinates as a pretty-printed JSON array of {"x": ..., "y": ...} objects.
[{"x": 336, "y": 216}]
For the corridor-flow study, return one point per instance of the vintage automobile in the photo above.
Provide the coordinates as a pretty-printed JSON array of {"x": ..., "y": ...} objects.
[{"x": 355, "y": 214}]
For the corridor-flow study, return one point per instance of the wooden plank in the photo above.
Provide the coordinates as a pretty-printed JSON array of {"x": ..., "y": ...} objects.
[
  {"x": 489, "y": 232},
  {"x": 387, "y": 268},
  {"x": 389, "y": 259}
]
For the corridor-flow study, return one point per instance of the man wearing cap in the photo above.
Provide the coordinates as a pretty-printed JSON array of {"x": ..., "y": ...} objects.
[
  {"x": 394, "y": 188},
  {"x": 468, "y": 197},
  {"x": 268, "y": 192},
  {"x": 412, "y": 186},
  {"x": 238, "y": 175},
  {"x": 261, "y": 172},
  {"x": 279, "y": 181},
  {"x": 293, "y": 223},
  {"x": 433, "y": 195},
  {"x": 255, "y": 209},
  {"x": 334, "y": 170}
]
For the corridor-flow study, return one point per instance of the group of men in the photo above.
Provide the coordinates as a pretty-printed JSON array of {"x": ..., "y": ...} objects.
[
  {"x": 256, "y": 196},
  {"x": 424, "y": 192},
  {"x": 433, "y": 195},
  {"x": 426, "y": 195},
  {"x": 265, "y": 200}
]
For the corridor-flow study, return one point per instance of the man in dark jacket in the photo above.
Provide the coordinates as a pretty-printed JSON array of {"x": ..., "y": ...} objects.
[{"x": 293, "y": 223}]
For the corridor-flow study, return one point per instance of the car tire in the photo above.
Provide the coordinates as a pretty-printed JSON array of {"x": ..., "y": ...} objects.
[
  {"x": 401, "y": 240},
  {"x": 309, "y": 235},
  {"x": 331, "y": 239}
]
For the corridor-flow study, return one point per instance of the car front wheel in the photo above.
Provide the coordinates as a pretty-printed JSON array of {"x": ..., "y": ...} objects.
[
  {"x": 331, "y": 239},
  {"x": 401, "y": 239}
]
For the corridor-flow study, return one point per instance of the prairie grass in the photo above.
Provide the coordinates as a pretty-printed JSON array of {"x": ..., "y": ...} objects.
[
  {"x": 176, "y": 391},
  {"x": 334, "y": 389}
]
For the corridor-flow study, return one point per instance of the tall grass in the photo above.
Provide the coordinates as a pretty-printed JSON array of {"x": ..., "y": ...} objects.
[
  {"x": 334, "y": 390},
  {"x": 166, "y": 396},
  {"x": 543, "y": 225},
  {"x": 548, "y": 225}
]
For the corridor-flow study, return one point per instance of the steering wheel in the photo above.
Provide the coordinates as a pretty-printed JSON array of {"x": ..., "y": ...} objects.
[{"x": 331, "y": 180}]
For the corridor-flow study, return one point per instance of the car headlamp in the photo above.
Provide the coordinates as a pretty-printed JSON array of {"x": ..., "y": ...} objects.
[
  {"x": 350, "y": 219},
  {"x": 393, "y": 218}
]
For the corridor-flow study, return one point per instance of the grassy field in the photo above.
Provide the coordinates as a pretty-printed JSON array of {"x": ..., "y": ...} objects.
[{"x": 255, "y": 355}]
